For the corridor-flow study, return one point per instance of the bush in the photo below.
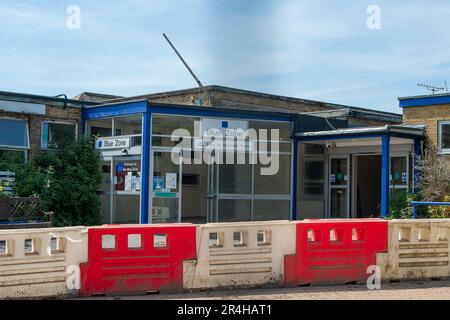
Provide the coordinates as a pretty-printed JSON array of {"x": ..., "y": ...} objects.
[{"x": 67, "y": 180}]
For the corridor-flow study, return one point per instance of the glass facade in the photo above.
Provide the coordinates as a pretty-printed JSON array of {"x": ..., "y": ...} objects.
[
  {"x": 229, "y": 189},
  {"x": 120, "y": 189},
  {"x": 195, "y": 184}
]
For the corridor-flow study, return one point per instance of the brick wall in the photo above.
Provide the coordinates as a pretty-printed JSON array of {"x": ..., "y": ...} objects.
[
  {"x": 70, "y": 114},
  {"x": 429, "y": 116}
]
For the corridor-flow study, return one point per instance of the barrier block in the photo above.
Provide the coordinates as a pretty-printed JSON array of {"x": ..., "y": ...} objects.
[
  {"x": 335, "y": 250},
  {"x": 41, "y": 262},
  {"x": 242, "y": 254},
  {"x": 135, "y": 259},
  {"x": 418, "y": 249}
]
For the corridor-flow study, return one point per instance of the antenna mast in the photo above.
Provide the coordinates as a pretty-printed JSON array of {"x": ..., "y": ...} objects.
[
  {"x": 433, "y": 89},
  {"x": 189, "y": 69}
]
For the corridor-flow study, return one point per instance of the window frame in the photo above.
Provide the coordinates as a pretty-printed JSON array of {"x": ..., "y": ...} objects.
[
  {"x": 56, "y": 122},
  {"x": 440, "y": 137},
  {"x": 9, "y": 147}
]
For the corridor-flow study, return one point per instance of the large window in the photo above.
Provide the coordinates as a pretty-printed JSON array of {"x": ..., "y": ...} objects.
[
  {"x": 444, "y": 136},
  {"x": 55, "y": 135},
  {"x": 14, "y": 134},
  {"x": 119, "y": 126}
]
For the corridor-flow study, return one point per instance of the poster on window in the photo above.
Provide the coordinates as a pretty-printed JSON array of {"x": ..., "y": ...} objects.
[{"x": 7, "y": 182}]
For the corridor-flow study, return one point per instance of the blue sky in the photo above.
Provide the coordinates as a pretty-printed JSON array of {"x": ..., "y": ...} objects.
[{"x": 313, "y": 49}]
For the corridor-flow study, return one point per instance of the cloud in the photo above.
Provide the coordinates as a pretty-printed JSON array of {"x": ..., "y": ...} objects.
[{"x": 309, "y": 49}]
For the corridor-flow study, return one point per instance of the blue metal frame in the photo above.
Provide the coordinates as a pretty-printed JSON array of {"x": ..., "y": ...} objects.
[
  {"x": 147, "y": 109},
  {"x": 425, "y": 101},
  {"x": 114, "y": 110},
  {"x": 145, "y": 155},
  {"x": 385, "y": 163},
  {"x": 426, "y": 203},
  {"x": 294, "y": 181}
]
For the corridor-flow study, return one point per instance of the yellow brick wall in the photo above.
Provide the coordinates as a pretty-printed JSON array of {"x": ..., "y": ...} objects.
[{"x": 429, "y": 116}]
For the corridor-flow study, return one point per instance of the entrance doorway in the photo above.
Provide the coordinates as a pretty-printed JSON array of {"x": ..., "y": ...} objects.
[
  {"x": 368, "y": 186},
  {"x": 120, "y": 189}
]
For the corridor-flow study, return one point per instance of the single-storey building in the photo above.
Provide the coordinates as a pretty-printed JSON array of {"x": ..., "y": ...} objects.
[{"x": 332, "y": 161}]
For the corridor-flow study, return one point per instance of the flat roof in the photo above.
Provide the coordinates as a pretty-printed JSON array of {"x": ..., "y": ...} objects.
[
  {"x": 424, "y": 100},
  {"x": 350, "y": 110},
  {"x": 409, "y": 130},
  {"x": 34, "y": 98}
]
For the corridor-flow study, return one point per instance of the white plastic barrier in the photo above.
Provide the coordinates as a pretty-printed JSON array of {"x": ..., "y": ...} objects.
[
  {"x": 240, "y": 254},
  {"x": 417, "y": 249},
  {"x": 41, "y": 262}
]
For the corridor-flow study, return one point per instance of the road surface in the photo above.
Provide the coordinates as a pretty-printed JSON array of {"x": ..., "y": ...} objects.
[{"x": 436, "y": 290}]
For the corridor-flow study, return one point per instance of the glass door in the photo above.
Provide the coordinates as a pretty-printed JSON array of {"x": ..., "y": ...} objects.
[
  {"x": 211, "y": 193},
  {"x": 339, "y": 187},
  {"x": 311, "y": 190},
  {"x": 127, "y": 189},
  {"x": 235, "y": 189},
  {"x": 106, "y": 189},
  {"x": 165, "y": 187}
]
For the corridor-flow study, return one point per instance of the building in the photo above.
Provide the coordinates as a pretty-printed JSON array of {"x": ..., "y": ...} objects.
[
  {"x": 332, "y": 160},
  {"x": 31, "y": 123},
  {"x": 335, "y": 161},
  {"x": 432, "y": 111}
]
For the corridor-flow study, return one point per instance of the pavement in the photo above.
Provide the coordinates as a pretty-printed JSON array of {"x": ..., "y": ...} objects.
[{"x": 423, "y": 290}]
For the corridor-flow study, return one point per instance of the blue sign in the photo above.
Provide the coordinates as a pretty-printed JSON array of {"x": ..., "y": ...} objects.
[
  {"x": 120, "y": 167},
  {"x": 158, "y": 183},
  {"x": 225, "y": 124}
]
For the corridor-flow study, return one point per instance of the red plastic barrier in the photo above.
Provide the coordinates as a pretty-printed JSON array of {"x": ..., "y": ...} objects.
[
  {"x": 335, "y": 250},
  {"x": 125, "y": 259}
]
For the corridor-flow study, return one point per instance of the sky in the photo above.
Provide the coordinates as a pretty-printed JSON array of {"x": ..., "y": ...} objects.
[{"x": 311, "y": 49}]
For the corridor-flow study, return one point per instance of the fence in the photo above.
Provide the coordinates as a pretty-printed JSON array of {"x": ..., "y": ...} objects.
[
  {"x": 335, "y": 250},
  {"x": 41, "y": 262},
  {"x": 126, "y": 259},
  {"x": 240, "y": 254},
  {"x": 418, "y": 249}
]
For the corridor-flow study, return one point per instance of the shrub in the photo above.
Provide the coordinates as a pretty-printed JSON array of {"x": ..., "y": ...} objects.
[{"x": 67, "y": 180}]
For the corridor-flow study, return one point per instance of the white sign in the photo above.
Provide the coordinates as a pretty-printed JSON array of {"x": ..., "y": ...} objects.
[
  {"x": 223, "y": 128},
  {"x": 171, "y": 180},
  {"x": 112, "y": 143}
]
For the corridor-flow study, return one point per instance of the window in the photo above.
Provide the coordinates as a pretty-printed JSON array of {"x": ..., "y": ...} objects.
[
  {"x": 100, "y": 127},
  {"x": 444, "y": 136},
  {"x": 14, "y": 134},
  {"x": 55, "y": 135}
]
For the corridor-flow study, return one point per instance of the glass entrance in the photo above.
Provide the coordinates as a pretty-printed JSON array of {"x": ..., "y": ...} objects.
[
  {"x": 120, "y": 189},
  {"x": 339, "y": 187},
  {"x": 127, "y": 189},
  {"x": 165, "y": 187}
]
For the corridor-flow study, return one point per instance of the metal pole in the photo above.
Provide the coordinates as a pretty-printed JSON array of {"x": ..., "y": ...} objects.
[{"x": 189, "y": 69}]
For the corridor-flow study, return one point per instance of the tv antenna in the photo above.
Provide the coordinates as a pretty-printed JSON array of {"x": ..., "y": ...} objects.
[
  {"x": 434, "y": 89},
  {"x": 189, "y": 69}
]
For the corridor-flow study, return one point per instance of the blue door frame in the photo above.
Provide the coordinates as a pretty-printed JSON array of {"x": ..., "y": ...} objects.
[{"x": 385, "y": 158}]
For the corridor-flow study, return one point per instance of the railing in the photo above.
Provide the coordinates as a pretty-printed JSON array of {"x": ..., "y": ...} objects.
[{"x": 426, "y": 203}]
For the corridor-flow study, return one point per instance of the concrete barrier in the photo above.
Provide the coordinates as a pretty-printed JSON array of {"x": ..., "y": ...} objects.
[
  {"x": 335, "y": 250},
  {"x": 240, "y": 254},
  {"x": 135, "y": 259},
  {"x": 418, "y": 249},
  {"x": 41, "y": 262}
]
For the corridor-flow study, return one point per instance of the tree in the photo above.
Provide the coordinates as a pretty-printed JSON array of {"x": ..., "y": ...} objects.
[
  {"x": 434, "y": 179},
  {"x": 67, "y": 180}
]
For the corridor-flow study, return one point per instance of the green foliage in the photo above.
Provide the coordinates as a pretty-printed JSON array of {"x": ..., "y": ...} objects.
[
  {"x": 67, "y": 180},
  {"x": 399, "y": 204}
]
